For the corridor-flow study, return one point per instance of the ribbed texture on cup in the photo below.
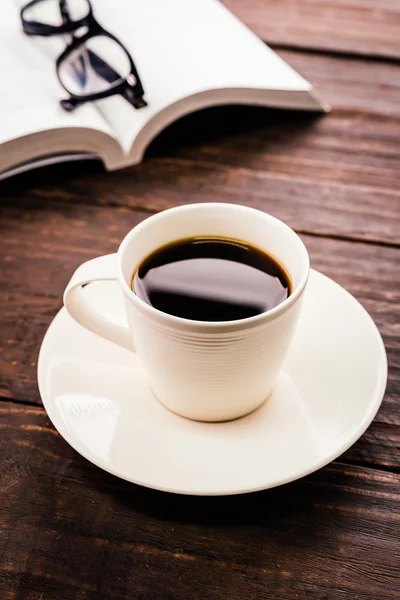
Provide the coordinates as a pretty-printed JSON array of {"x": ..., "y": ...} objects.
[{"x": 212, "y": 376}]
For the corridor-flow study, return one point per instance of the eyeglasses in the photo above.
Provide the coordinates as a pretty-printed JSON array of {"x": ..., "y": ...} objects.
[{"x": 94, "y": 65}]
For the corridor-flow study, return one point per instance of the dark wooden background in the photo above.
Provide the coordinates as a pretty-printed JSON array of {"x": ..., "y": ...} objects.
[{"x": 69, "y": 531}]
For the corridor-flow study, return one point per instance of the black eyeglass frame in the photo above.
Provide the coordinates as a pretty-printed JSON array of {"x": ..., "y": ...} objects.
[{"x": 130, "y": 88}]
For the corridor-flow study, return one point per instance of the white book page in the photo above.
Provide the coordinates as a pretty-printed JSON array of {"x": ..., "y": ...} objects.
[
  {"x": 31, "y": 92},
  {"x": 186, "y": 47}
]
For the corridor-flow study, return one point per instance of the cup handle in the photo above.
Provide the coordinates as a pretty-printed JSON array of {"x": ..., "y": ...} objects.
[{"x": 104, "y": 268}]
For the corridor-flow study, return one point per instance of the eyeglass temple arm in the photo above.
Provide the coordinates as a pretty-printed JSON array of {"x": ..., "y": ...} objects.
[{"x": 70, "y": 104}]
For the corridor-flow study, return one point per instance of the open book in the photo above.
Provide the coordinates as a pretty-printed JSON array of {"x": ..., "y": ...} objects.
[{"x": 191, "y": 54}]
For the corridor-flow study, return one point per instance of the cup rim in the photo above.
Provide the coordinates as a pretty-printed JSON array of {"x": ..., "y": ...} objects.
[{"x": 171, "y": 320}]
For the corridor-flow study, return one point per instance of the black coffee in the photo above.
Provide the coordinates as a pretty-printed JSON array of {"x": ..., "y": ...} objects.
[{"x": 211, "y": 279}]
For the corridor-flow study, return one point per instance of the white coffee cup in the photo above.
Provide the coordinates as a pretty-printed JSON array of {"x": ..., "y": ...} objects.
[{"x": 208, "y": 371}]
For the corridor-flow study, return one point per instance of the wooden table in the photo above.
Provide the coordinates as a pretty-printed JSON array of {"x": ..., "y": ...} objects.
[{"x": 70, "y": 531}]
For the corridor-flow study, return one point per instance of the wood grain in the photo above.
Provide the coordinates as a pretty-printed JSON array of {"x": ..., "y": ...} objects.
[
  {"x": 362, "y": 27},
  {"x": 41, "y": 244},
  {"x": 69, "y": 531},
  {"x": 74, "y": 532},
  {"x": 332, "y": 175}
]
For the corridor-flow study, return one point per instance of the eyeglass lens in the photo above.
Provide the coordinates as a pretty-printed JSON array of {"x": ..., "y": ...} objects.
[
  {"x": 48, "y": 12},
  {"x": 94, "y": 67}
]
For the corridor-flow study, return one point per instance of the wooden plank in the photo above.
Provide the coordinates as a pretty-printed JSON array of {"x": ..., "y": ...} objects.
[
  {"x": 333, "y": 175},
  {"x": 71, "y": 531},
  {"x": 362, "y": 27},
  {"x": 42, "y": 242}
]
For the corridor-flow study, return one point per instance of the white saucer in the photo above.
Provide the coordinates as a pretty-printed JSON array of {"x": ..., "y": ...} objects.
[{"x": 97, "y": 396}]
